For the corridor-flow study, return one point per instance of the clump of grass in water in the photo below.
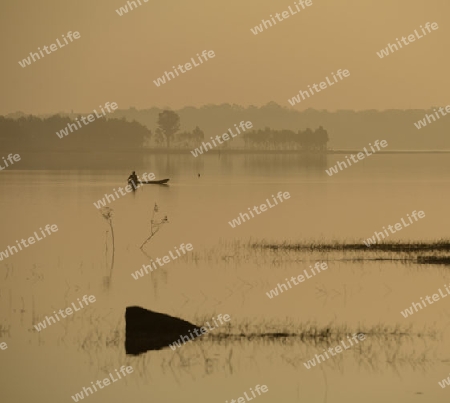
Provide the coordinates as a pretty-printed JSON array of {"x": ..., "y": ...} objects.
[
  {"x": 421, "y": 252},
  {"x": 438, "y": 245},
  {"x": 252, "y": 328},
  {"x": 433, "y": 260},
  {"x": 5, "y": 330}
]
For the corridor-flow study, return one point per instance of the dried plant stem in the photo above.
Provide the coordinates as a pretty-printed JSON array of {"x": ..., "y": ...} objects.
[
  {"x": 155, "y": 226},
  {"x": 113, "y": 246},
  {"x": 150, "y": 237}
]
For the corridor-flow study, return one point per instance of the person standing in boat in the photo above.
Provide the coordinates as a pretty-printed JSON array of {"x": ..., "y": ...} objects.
[{"x": 133, "y": 179}]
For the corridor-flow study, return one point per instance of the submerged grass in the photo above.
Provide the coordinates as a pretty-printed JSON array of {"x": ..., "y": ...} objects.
[
  {"x": 406, "y": 252},
  {"x": 314, "y": 332},
  {"x": 399, "y": 246},
  {"x": 433, "y": 260},
  {"x": 238, "y": 252}
]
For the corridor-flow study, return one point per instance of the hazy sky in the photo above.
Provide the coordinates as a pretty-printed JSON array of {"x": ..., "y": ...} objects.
[{"x": 117, "y": 58}]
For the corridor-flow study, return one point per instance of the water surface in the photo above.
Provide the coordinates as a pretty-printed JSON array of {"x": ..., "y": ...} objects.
[{"x": 400, "y": 361}]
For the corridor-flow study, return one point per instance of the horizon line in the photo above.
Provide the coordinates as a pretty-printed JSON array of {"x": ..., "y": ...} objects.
[{"x": 269, "y": 104}]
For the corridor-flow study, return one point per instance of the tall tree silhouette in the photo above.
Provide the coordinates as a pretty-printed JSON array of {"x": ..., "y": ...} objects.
[
  {"x": 169, "y": 124},
  {"x": 159, "y": 136},
  {"x": 321, "y": 137}
]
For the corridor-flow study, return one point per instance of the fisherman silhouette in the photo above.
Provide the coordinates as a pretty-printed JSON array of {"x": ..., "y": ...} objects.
[{"x": 133, "y": 180}]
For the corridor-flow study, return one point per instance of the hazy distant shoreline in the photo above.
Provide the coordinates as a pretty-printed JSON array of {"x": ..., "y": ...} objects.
[
  {"x": 185, "y": 151},
  {"x": 250, "y": 151}
]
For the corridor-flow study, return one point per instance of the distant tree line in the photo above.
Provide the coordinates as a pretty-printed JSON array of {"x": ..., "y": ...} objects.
[
  {"x": 307, "y": 140},
  {"x": 31, "y": 133},
  {"x": 348, "y": 129},
  {"x": 268, "y": 139}
]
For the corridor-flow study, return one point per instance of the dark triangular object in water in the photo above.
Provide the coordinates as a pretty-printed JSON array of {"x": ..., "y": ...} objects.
[{"x": 147, "y": 330}]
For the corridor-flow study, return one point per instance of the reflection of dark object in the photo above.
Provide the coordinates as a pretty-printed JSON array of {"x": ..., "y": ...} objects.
[{"x": 148, "y": 330}]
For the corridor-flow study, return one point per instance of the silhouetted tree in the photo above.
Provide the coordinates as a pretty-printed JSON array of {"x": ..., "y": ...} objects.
[
  {"x": 197, "y": 134},
  {"x": 159, "y": 136},
  {"x": 321, "y": 138},
  {"x": 169, "y": 124},
  {"x": 187, "y": 139}
]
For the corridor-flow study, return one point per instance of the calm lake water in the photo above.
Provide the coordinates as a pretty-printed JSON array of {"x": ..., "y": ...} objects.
[{"x": 401, "y": 359}]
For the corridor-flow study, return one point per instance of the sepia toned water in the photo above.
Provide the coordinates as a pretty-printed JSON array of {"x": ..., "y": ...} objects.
[{"x": 224, "y": 275}]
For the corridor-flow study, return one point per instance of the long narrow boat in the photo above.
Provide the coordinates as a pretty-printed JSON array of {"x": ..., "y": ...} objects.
[{"x": 159, "y": 182}]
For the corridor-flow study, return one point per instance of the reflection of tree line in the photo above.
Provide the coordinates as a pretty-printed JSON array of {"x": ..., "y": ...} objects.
[
  {"x": 39, "y": 134},
  {"x": 275, "y": 163}
]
